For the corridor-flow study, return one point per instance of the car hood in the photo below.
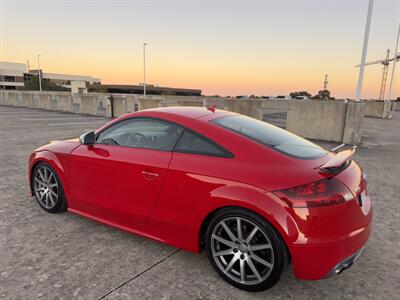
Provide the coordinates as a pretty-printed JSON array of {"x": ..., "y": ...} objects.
[{"x": 62, "y": 146}]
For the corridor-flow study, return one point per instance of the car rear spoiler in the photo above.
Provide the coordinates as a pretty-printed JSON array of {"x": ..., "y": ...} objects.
[{"x": 339, "y": 162}]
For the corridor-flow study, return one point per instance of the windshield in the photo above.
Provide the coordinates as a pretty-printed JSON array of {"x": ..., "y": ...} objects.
[{"x": 271, "y": 136}]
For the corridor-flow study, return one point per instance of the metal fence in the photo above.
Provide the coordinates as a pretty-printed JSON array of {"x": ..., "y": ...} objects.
[{"x": 277, "y": 117}]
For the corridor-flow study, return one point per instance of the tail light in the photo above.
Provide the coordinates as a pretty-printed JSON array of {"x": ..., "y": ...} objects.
[
  {"x": 320, "y": 193},
  {"x": 364, "y": 181}
]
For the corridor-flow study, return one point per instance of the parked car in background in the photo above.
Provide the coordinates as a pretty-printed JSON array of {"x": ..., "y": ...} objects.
[
  {"x": 268, "y": 97},
  {"x": 282, "y": 97},
  {"x": 302, "y": 98}
]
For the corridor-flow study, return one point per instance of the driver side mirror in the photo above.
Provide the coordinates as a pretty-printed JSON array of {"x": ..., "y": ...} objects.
[{"x": 88, "y": 138}]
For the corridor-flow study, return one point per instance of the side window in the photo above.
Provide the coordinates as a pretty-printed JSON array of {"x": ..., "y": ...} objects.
[
  {"x": 141, "y": 133},
  {"x": 194, "y": 143}
]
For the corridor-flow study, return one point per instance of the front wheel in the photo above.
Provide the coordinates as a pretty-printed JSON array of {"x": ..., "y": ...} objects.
[
  {"x": 47, "y": 188},
  {"x": 245, "y": 250}
]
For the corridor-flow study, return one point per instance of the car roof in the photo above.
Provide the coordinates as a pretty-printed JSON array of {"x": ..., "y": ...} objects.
[
  {"x": 184, "y": 111},
  {"x": 188, "y": 113}
]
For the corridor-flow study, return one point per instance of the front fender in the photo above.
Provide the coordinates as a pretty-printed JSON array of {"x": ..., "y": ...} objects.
[{"x": 59, "y": 162}]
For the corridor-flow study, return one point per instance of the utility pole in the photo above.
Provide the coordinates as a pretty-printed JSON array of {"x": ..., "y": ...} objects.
[
  {"x": 364, "y": 50},
  {"x": 27, "y": 65},
  {"x": 144, "y": 68},
  {"x": 326, "y": 82},
  {"x": 394, "y": 64},
  {"x": 2, "y": 48},
  {"x": 40, "y": 73}
]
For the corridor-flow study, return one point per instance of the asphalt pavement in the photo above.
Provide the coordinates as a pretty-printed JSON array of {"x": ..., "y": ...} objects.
[{"x": 64, "y": 255}]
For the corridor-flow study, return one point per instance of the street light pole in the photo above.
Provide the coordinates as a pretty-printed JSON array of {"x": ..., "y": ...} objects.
[
  {"x": 144, "y": 68},
  {"x": 364, "y": 50},
  {"x": 394, "y": 65},
  {"x": 40, "y": 73}
]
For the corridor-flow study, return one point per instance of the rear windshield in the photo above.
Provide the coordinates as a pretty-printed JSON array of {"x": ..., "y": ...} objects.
[{"x": 271, "y": 136}]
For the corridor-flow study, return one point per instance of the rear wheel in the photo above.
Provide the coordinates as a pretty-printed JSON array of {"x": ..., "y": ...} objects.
[
  {"x": 47, "y": 189},
  {"x": 245, "y": 249}
]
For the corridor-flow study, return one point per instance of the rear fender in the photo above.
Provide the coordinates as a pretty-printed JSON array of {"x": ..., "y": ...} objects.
[{"x": 254, "y": 199}]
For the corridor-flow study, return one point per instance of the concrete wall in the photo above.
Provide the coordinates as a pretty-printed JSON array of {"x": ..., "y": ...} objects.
[
  {"x": 352, "y": 130},
  {"x": 378, "y": 109},
  {"x": 329, "y": 116},
  {"x": 336, "y": 121},
  {"x": 396, "y": 105}
]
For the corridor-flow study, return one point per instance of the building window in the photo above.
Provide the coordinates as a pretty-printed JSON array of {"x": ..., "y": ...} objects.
[
  {"x": 27, "y": 77},
  {"x": 9, "y": 78}
]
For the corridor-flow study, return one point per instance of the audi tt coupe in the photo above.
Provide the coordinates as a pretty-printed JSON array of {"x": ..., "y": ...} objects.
[{"x": 254, "y": 196}]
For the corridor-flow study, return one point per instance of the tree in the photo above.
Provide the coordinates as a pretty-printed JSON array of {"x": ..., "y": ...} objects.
[
  {"x": 97, "y": 88},
  {"x": 167, "y": 93},
  {"x": 300, "y": 93},
  {"x": 33, "y": 85},
  {"x": 323, "y": 95}
]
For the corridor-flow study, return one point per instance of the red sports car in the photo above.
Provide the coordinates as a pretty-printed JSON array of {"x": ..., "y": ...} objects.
[{"x": 255, "y": 196}]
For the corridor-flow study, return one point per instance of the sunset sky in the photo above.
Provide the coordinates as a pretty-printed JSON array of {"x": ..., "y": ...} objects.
[{"x": 222, "y": 47}]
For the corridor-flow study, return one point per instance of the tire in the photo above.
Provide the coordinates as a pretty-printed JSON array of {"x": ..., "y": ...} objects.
[
  {"x": 47, "y": 188},
  {"x": 238, "y": 259}
]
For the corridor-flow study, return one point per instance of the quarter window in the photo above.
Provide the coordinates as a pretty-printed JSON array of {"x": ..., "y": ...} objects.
[
  {"x": 141, "y": 133},
  {"x": 194, "y": 143}
]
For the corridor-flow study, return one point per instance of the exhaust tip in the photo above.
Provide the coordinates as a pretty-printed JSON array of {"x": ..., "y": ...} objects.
[{"x": 345, "y": 264}]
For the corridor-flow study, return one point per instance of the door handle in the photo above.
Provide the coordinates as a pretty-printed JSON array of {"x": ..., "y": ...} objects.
[{"x": 149, "y": 174}]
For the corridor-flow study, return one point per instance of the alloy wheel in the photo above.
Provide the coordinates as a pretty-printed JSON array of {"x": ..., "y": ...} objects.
[
  {"x": 46, "y": 187},
  {"x": 242, "y": 250}
]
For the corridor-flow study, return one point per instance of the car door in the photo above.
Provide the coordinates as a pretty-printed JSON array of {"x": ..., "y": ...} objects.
[
  {"x": 118, "y": 179},
  {"x": 198, "y": 168}
]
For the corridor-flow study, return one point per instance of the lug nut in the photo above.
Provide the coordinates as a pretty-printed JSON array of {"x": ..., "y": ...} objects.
[
  {"x": 242, "y": 256},
  {"x": 235, "y": 250}
]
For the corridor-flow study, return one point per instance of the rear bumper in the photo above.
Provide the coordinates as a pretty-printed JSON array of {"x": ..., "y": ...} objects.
[{"x": 319, "y": 261}]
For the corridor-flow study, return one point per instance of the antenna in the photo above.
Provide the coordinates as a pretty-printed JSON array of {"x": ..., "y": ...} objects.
[{"x": 326, "y": 82}]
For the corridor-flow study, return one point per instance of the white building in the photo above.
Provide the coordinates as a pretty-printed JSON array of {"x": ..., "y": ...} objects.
[
  {"x": 76, "y": 83},
  {"x": 11, "y": 75},
  {"x": 14, "y": 75}
]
